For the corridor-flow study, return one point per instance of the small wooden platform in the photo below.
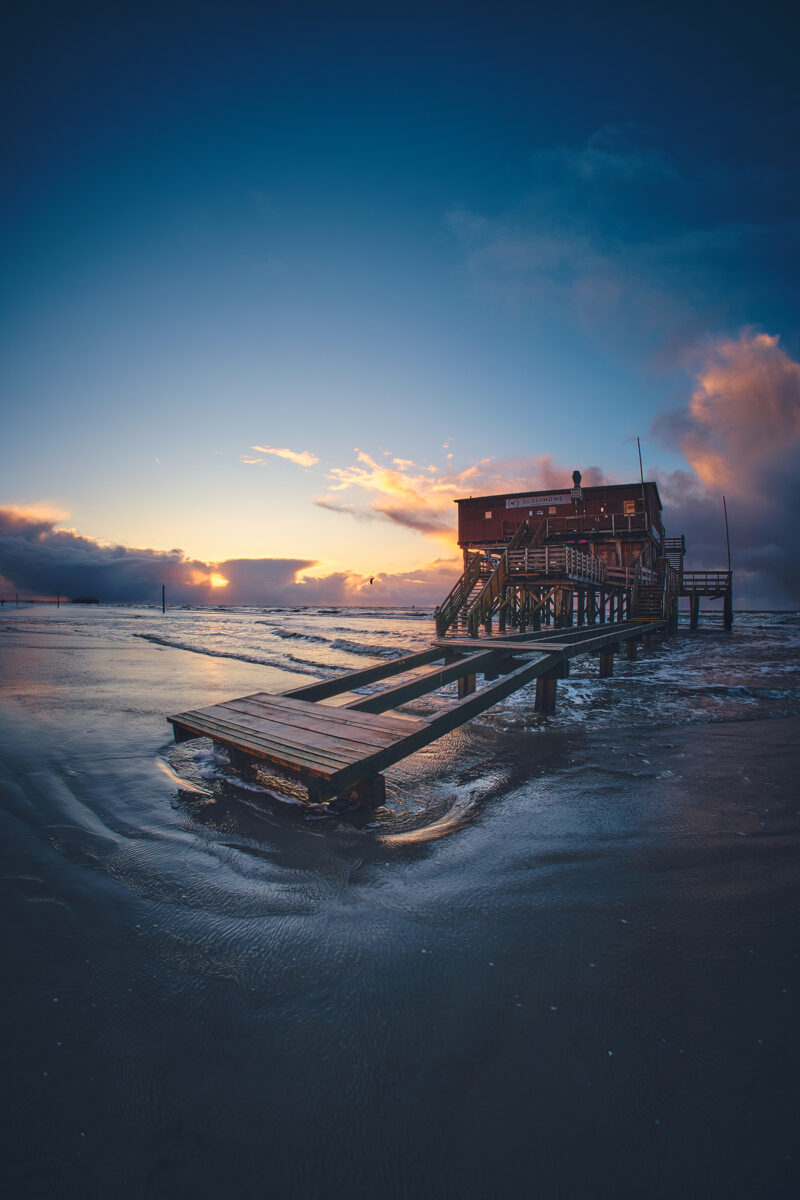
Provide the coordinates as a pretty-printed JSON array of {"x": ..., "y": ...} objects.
[
  {"x": 340, "y": 752},
  {"x": 317, "y": 743}
]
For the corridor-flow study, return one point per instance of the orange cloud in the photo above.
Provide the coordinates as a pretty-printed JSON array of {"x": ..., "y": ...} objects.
[
  {"x": 421, "y": 497},
  {"x": 744, "y": 411},
  {"x": 303, "y": 458}
]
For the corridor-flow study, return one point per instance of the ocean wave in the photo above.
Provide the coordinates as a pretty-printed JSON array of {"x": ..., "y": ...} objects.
[
  {"x": 301, "y": 666},
  {"x": 349, "y": 647},
  {"x": 291, "y": 634}
]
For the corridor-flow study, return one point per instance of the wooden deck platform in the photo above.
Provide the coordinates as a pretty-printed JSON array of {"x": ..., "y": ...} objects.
[{"x": 338, "y": 753}]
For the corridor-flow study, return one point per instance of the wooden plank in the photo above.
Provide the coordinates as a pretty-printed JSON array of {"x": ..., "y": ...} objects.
[
  {"x": 352, "y": 679},
  {"x": 286, "y": 704},
  {"x": 319, "y": 733},
  {"x": 310, "y": 722},
  {"x": 392, "y": 725},
  {"x": 262, "y": 747},
  {"x": 307, "y": 737},
  {"x": 275, "y": 736}
]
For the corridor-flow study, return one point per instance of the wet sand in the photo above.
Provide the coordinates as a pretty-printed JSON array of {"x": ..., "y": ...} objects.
[{"x": 588, "y": 988}]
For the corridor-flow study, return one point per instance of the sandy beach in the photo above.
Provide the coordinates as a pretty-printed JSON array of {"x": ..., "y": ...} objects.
[{"x": 587, "y": 988}]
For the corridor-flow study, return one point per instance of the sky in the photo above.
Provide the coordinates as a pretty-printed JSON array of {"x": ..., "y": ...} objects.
[{"x": 280, "y": 282}]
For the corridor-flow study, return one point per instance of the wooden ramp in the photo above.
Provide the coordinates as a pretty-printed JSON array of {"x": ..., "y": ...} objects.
[{"x": 339, "y": 752}]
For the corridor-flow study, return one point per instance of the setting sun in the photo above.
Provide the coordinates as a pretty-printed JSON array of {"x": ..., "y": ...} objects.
[{"x": 218, "y": 581}]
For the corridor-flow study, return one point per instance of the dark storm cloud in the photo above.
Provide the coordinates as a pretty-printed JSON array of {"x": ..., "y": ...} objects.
[{"x": 39, "y": 560}]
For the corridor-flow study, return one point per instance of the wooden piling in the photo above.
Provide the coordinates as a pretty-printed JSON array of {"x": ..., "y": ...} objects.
[
  {"x": 466, "y": 686},
  {"x": 545, "y": 699},
  {"x": 606, "y": 663}
]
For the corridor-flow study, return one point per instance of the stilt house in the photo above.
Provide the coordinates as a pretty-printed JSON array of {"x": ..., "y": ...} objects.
[{"x": 571, "y": 555}]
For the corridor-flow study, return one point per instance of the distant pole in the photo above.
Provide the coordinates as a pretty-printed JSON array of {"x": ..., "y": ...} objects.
[
  {"x": 727, "y": 533},
  {"x": 58, "y": 599},
  {"x": 163, "y": 598},
  {"x": 17, "y": 600}
]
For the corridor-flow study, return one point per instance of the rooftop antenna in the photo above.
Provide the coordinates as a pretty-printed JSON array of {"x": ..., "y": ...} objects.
[
  {"x": 727, "y": 533},
  {"x": 641, "y": 475}
]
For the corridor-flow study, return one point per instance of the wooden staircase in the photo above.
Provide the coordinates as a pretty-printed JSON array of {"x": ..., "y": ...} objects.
[
  {"x": 649, "y": 602},
  {"x": 448, "y": 611},
  {"x": 469, "y": 601},
  {"x": 489, "y": 598}
]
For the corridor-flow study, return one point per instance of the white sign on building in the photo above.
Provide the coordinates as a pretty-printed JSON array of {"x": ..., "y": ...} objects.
[{"x": 538, "y": 501}]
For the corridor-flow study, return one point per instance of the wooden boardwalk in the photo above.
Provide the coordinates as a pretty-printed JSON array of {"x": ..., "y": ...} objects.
[{"x": 339, "y": 751}]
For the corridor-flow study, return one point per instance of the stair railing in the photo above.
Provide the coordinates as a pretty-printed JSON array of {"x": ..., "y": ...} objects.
[
  {"x": 484, "y": 603},
  {"x": 447, "y": 612}
]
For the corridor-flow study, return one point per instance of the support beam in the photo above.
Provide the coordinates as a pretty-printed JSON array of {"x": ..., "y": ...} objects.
[
  {"x": 353, "y": 679},
  {"x": 632, "y": 646},
  {"x": 727, "y": 609},
  {"x": 694, "y": 610},
  {"x": 426, "y": 681}
]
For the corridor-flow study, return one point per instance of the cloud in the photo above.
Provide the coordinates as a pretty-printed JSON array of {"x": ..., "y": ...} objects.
[
  {"x": 422, "y": 498},
  {"x": 303, "y": 458},
  {"x": 740, "y": 434},
  {"x": 744, "y": 415},
  {"x": 37, "y": 560}
]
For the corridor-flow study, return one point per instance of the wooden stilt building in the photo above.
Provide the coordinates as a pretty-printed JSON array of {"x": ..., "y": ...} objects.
[{"x": 573, "y": 556}]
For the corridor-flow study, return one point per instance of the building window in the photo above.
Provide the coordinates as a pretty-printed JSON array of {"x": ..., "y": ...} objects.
[
  {"x": 488, "y": 516},
  {"x": 630, "y": 507},
  {"x": 530, "y": 512},
  {"x": 552, "y": 508}
]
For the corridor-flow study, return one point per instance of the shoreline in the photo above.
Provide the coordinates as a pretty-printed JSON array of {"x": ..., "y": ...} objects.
[{"x": 602, "y": 955}]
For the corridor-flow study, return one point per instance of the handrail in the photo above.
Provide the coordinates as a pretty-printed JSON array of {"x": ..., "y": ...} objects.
[
  {"x": 448, "y": 610},
  {"x": 693, "y": 581},
  {"x": 558, "y": 560},
  {"x": 483, "y": 604}
]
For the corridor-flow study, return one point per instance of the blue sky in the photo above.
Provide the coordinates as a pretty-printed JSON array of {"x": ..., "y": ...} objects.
[{"x": 416, "y": 230}]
